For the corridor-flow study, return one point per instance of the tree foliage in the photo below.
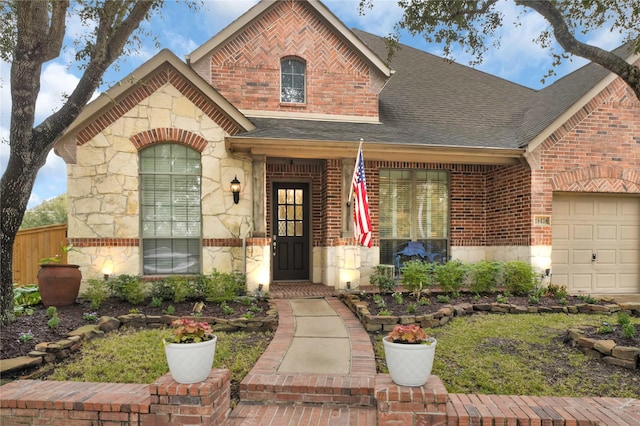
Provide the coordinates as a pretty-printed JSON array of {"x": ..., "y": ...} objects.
[
  {"x": 49, "y": 212},
  {"x": 31, "y": 34},
  {"x": 473, "y": 25}
]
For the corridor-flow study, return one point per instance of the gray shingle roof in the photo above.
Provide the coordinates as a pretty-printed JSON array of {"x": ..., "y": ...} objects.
[{"x": 434, "y": 102}]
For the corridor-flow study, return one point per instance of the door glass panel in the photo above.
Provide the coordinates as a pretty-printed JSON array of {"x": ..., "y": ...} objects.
[{"x": 290, "y": 213}]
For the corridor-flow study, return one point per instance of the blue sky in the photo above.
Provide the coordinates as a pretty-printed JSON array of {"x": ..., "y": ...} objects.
[{"x": 182, "y": 31}]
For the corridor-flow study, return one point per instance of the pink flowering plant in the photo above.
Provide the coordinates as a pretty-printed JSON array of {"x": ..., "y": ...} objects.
[
  {"x": 190, "y": 331},
  {"x": 409, "y": 334}
]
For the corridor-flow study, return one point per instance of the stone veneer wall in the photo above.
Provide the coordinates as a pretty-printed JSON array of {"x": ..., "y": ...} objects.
[{"x": 104, "y": 196}]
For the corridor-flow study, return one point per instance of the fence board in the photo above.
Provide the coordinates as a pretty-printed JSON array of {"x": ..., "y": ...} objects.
[{"x": 34, "y": 244}]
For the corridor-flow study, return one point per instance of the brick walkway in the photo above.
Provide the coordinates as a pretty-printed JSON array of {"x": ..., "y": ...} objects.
[{"x": 267, "y": 395}]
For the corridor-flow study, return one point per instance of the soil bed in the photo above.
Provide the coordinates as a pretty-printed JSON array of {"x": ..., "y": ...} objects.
[
  {"x": 431, "y": 302},
  {"x": 72, "y": 317}
]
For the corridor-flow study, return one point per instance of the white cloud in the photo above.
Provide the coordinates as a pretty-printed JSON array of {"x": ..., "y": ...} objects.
[{"x": 379, "y": 20}]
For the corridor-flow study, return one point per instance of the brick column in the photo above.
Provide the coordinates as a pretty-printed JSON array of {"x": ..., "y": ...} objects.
[
  {"x": 407, "y": 405},
  {"x": 205, "y": 403}
]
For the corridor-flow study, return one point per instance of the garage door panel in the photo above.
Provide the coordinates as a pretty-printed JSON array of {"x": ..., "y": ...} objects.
[
  {"x": 630, "y": 208},
  {"x": 581, "y": 281},
  {"x": 561, "y": 232},
  {"x": 607, "y": 232},
  {"x": 583, "y": 208},
  {"x": 606, "y": 257},
  {"x": 605, "y": 281},
  {"x": 583, "y": 232},
  {"x": 605, "y": 208},
  {"x": 629, "y": 282},
  {"x": 581, "y": 257},
  {"x": 629, "y": 232},
  {"x": 605, "y": 224},
  {"x": 560, "y": 257},
  {"x": 629, "y": 257}
]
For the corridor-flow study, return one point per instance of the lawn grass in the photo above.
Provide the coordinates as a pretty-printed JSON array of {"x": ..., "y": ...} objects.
[
  {"x": 137, "y": 356},
  {"x": 522, "y": 355}
]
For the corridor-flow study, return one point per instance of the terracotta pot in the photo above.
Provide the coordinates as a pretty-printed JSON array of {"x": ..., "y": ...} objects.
[{"x": 59, "y": 284}]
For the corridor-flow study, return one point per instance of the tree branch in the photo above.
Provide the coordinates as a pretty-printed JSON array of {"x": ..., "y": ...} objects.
[{"x": 628, "y": 72}]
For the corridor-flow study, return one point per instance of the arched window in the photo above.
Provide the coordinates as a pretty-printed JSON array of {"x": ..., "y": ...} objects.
[
  {"x": 170, "y": 210},
  {"x": 292, "y": 80}
]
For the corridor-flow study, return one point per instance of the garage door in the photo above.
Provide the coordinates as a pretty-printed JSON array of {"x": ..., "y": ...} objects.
[{"x": 596, "y": 243}]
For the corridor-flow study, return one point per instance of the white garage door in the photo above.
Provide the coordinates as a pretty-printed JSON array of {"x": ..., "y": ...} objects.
[{"x": 596, "y": 243}]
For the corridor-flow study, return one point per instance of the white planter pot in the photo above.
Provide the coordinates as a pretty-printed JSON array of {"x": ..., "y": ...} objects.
[
  {"x": 409, "y": 365},
  {"x": 190, "y": 362}
]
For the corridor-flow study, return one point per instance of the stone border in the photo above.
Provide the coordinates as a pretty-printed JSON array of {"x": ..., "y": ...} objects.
[
  {"x": 49, "y": 352},
  {"x": 622, "y": 356},
  {"x": 605, "y": 349}
]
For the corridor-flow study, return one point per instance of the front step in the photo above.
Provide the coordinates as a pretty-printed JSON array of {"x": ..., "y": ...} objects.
[
  {"x": 309, "y": 388},
  {"x": 255, "y": 414}
]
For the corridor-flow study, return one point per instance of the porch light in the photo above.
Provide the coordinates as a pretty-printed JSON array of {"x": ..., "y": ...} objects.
[{"x": 235, "y": 189}]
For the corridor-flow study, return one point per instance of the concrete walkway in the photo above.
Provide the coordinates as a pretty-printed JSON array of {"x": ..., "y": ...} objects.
[
  {"x": 318, "y": 370},
  {"x": 320, "y": 341}
]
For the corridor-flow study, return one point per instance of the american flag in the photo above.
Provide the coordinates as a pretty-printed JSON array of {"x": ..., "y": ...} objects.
[{"x": 361, "y": 218}]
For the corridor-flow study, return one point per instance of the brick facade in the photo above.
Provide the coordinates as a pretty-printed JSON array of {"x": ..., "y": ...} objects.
[
  {"x": 246, "y": 70},
  {"x": 596, "y": 150}
]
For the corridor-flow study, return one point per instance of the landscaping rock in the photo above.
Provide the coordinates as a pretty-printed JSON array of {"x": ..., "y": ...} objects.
[
  {"x": 87, "y": 332},
  {"x": 19, "y": 364},
  {"x": 626, "y": 352},
  {"x": 107, "y": 324},
  {"x": 604, "y": 346},
  {"x": 620, "y": 362}
]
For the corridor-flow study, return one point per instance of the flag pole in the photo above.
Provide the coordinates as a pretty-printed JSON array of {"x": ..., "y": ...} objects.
[{"x": 355, "y": 170}]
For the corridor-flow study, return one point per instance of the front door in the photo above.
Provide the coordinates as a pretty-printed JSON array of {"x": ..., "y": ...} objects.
[{"x": 290, "y": 231}]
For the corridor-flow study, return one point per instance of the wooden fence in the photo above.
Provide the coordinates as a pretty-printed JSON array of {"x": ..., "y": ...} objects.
[{"x": 34, "y": 244}]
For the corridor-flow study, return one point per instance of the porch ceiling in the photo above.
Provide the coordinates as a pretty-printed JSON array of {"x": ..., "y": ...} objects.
[{"x": 322, "y": 149}]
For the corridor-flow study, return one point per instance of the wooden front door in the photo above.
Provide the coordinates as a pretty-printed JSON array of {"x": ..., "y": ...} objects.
[{"x": 290, "y": 232}]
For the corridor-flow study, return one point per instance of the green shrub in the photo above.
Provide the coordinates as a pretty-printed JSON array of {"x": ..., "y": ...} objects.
[
  {"x": 483, "y": 276},
  {"x": 24, "y": 297},
  {"x": 381, "y": 279},
  {"x": 450, "y": 276},
  {"x": 519, "y": 278},
  {"x": 417, "y": 275},
  {"x": 224, "y": 286},
  {"x": 161, "y": 290},
  {"x": 180, "y": 288},
  {"x": 128, "y": 287},
  {"x": 623, "y": 318},
  {"x": 54, "y": 321},
  {"x": 96, "y": 292},
  {"x": 628, "y": 330},
  {"x": 557, "y": 291}
]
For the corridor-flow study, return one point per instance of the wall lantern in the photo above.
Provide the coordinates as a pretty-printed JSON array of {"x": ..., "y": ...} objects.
[{"x": 235, "y": 189}]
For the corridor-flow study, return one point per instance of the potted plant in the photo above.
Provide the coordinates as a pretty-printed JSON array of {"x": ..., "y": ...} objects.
[
  {"x": 190, "y": 350},
  {"x": 409, "y": 352},
  {"x": 59, "y": 283}
]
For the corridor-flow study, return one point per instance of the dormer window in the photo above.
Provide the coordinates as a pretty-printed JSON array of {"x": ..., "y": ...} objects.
[{"x": 292, "y": 80}]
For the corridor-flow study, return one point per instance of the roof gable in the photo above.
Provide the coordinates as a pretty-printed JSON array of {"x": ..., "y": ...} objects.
[
  {"x": 252, "y": 18},
  {"x": 163, "y": 68}
]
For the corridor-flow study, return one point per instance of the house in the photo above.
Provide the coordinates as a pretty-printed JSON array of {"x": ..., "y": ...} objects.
[{"x": 468, "y": 165}]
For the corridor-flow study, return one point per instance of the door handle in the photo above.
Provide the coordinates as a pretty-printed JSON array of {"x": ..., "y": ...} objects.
[
  {"x": 594, "y": 256},
  {"x": 273, "y": 245}
]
